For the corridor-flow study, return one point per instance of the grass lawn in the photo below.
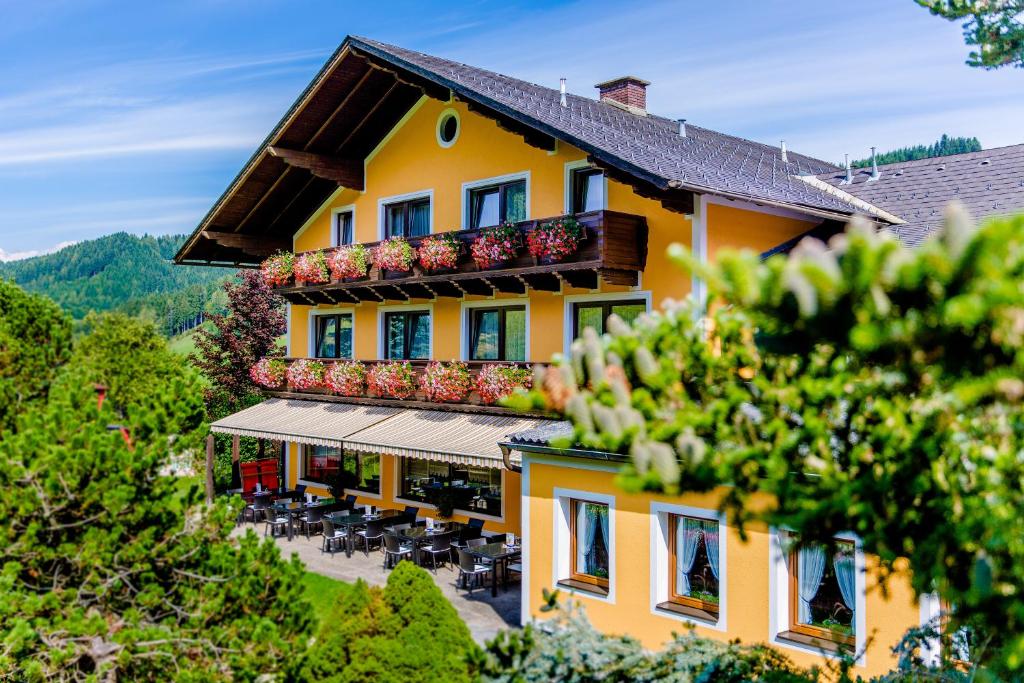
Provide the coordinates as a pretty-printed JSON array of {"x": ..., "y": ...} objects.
[{"x": 323, "y": 592}]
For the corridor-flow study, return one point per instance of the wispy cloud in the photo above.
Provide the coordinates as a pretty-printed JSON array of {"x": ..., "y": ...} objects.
[{"x": 20, "y": 255}]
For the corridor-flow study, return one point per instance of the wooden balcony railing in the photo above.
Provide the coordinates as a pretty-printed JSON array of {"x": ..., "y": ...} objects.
[
  {"x": 471, "y": 402},
  {"x": 614, "y": 250}
]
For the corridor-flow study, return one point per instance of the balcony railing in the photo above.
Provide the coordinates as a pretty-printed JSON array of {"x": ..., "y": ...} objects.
[
  {"x": 471, "y": 401},
  {"x": 614, "y": 250}
]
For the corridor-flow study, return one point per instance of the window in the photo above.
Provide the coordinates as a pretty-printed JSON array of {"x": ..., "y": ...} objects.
[
  {"x": 333, "y": 336},
  {"x": 321, "y": 464},
  {"x": 410, "y": 218},
  {"x": 344, "y": 228},
  {"x": 477, "y": 489},
  {"x": 363, "y": 470},
  {"x": 595, "y": 313},
  {"x": 407, "y": 335},
  {"x": 822, "y": 592},
  {"x": 589, "y": 548},
  {"x": 447, "y": 128},
  {"x": 496, "y": 204},
  {"x": 497, "y": 333},
  {"x": 694, "y": 567},
  {"x": 587, "y": 190}
]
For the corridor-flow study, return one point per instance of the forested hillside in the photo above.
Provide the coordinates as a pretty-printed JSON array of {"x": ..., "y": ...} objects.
[
  {"x": 126, "y": 273},
  {"x": 944, "y": 146}
]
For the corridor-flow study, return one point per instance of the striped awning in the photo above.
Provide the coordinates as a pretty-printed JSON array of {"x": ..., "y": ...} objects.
[{"x": 317, "y": 423}]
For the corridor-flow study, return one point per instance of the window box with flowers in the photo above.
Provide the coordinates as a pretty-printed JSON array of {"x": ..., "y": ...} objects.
[
  {"x": 311, "y": 269},
  {"x": 278, "y": 269},
  {"x": 304, "y": 374},
  {"x": 392, "y": 380},
  {"x": 496, "y": 246},
  {"x": 349, "y": 263},
  {"x": 555, "y": 240},
  {"x": 495, "y": 382},
  {"x": 440, "y": 253},
  {"x": 446, "y": 381},
  {"x": 347, "y": 378},
  {"x": 394, "y": 255},
  {"x": 269, "y": 373}
]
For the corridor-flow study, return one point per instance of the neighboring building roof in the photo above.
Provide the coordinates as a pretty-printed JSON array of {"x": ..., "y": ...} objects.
[{"x": 988, "y": 183}]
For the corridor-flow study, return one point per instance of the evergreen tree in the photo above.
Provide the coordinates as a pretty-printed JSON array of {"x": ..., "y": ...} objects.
[
  {"x": 945, "y": 146},
  {"x": 995, "y": 27}
]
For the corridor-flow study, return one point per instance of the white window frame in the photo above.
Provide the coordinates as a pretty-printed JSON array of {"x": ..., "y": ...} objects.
[
  {"x": 572, "y": 299},
  {"x": 397, "y": 488},
  {"x": 571, "y": 166},
  {"x": 301, "y": 470},
  {"x": 311, "y": 326},
  {"x": 496, "y": 180},
  {"x": 351, "y": 208},
  {"x": 458, "y": 127},
  {"x": 562, "y": 535},
  {"x": 384, "y": 201},
  {"x": 464, "y": 325},
  {"x": 661, "y": 577},
  {"x": 778, "y": 596},
  {"x": 381, "y": 337}
]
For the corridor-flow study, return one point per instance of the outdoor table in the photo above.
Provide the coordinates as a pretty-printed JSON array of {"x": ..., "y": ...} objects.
[
  {"x": 496, "y": 553},
  {"x": 419, "y": 535},
  {"x": 351, "y": 520},
  {"x": 292, "y": 508}
]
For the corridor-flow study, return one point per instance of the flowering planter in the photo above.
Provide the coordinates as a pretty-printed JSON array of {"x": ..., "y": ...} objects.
[{"x": 556, "y": 240}]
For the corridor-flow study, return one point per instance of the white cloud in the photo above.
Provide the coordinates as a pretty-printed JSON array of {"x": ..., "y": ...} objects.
[{"x": 19, "y": 255}]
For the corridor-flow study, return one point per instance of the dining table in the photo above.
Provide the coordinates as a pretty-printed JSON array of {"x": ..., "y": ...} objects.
[
  {"x": 351, "y": 520},
  {"x": 292, "y": 507},
  {"x": 421, "y": 535},
  {"x": 498, "y": 553}
]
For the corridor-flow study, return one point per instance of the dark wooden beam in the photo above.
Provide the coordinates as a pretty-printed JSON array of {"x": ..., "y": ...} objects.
[
  {"x": 428, "y": 88},
  {"x": 392, "y": 292},
  {"x": 544, "y": 282},
  {"x": 475, "y": 286},
  {"x": 509, "y": 285},
  {"x": 446, "y": 289},
  {"x": 345, "y": 172},
  {"x": 620, "y": 277},
  {"x": 584, "y": 279},
  {"x": 254, "y": 245}
]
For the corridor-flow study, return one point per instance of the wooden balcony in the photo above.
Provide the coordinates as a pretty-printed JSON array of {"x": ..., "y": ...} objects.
[
  {"x": 614, "y": 250},
  {"x": 471, "y": 403}
]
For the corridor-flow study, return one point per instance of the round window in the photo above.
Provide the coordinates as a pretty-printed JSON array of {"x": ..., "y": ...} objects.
[{"x": 447, "y": 128}]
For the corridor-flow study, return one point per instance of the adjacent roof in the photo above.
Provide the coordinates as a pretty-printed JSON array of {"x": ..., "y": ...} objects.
[{"x": 989, "y": 182}]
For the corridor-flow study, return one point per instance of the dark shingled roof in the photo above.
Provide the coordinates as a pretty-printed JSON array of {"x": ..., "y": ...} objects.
[
  {"x": 988, "y": 183},
  {"x": 543, "y": 435},
  {"x": 705, "y": 160}
]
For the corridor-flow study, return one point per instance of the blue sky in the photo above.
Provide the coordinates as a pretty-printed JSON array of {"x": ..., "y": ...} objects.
[{"x": 135, "y": 115}]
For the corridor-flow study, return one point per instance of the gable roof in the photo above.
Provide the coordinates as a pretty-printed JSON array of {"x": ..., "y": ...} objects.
[
  {"x": 988, "y": 183},
  {"x": 367, "y": 86}
]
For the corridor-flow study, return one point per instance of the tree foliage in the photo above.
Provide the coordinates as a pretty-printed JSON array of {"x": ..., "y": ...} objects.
[
  {"x": 403, "y": 633},
  {"x": 944, "y": 146},
  {"x": 865, "y": 387},
  {"x": 994, "y": 26}
]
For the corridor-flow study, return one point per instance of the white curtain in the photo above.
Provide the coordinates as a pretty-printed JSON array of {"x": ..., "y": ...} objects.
[
  {"x": 602, "y": 516},
  {"x": 586, "y": 530},
  {"x": 687, "y": 538},
  {"x": 810, "y": 568},
  {"x": 711, "y": 545},
  {"x": 843, "y": 565}
]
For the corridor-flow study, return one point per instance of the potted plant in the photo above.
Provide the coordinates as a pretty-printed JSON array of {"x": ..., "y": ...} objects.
[
  {"x": 394, "y": 379},
  {"x": 346, "y": 378},
  {"x": 311, "y": 268},
  {"x": 440, "y": 252},
  {"x": 446, "y": 381},
  {"x": 349, "y": 263},
  {"x": 278, "y": 269},
  {"x": 555, "y": 240},
  {"x": 445, "y": 498},
  {"x": 496, "y": 245},
  {"x": 269, "y": 373},
  {"x": 306, "y": 374},
  {"x": 394, "y": 254},
  {"x": 496, "y": 381}
]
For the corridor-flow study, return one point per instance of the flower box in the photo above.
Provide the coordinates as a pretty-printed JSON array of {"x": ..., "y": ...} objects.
[
  {"x": 555, "y": 240},
  {"x": 311, "y": 268},
  {"x": 306, "y": 374},
  {"x": 439, "y": 252},
  {"x": 269, "y": 373},
  {"x": 446, "y": 381},
  {"x": 496, "y": 246},
  {"x": 346, "y": 378},
  {"x": 392, "y": 380},
  {"x": 495, "y": 382},
  {"x": 278, "y": 269},
  {"x": 349, "y": 263},
  {"x": 394, "y": 254}
]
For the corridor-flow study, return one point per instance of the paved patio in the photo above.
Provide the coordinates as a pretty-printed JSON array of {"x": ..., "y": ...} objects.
[{"x": 484, "y": 615}]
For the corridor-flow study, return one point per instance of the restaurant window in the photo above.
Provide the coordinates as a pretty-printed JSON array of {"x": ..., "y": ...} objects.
[
  {"x": 587, "y": 190},
  {"x": 363, "y": 472},
  {"x": 497, "y": 333},
  {"x": 344, "y": 228},
  {"x": 595, "y": 313},
  {"x": 477, "y": 489},
  {"x": 409, "y": 218},
  {"x": 496, "y": 204},
  {"x": 822, "y": 592},
  {"x": 321, "y": 464},
  {"x": 333, "y": 335},
  {"x": 407, "y": 335},
  {"x": 694, "y": 565},
  {"x": 589, "y": 544}
]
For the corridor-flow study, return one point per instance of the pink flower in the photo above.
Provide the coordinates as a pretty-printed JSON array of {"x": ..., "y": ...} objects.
[
  {"x": 440, "y": 251},
  {"x": 495, "y": 245},
  {"x": 306, "y": 374},
  {"x": 394, "y": 379},
  {"x": 394, "y": 254},
  {"x": 346, "y": 378},
  {"x": 555, "y": 240},
  {"x": 311, "y": 267},
  {"x": 446, "y": 381},
  {"x": 495, "y": 382},
  {"x": 277, "y": 270},
  {"x": 269, "y": 373},
  {"x": 348, "y": 262}
]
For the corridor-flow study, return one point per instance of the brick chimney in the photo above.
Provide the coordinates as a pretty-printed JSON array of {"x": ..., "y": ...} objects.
[{"x": 628, "y": 91}]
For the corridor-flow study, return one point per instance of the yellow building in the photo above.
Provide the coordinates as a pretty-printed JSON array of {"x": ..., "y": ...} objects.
[{"x": 390, "y": 143}]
